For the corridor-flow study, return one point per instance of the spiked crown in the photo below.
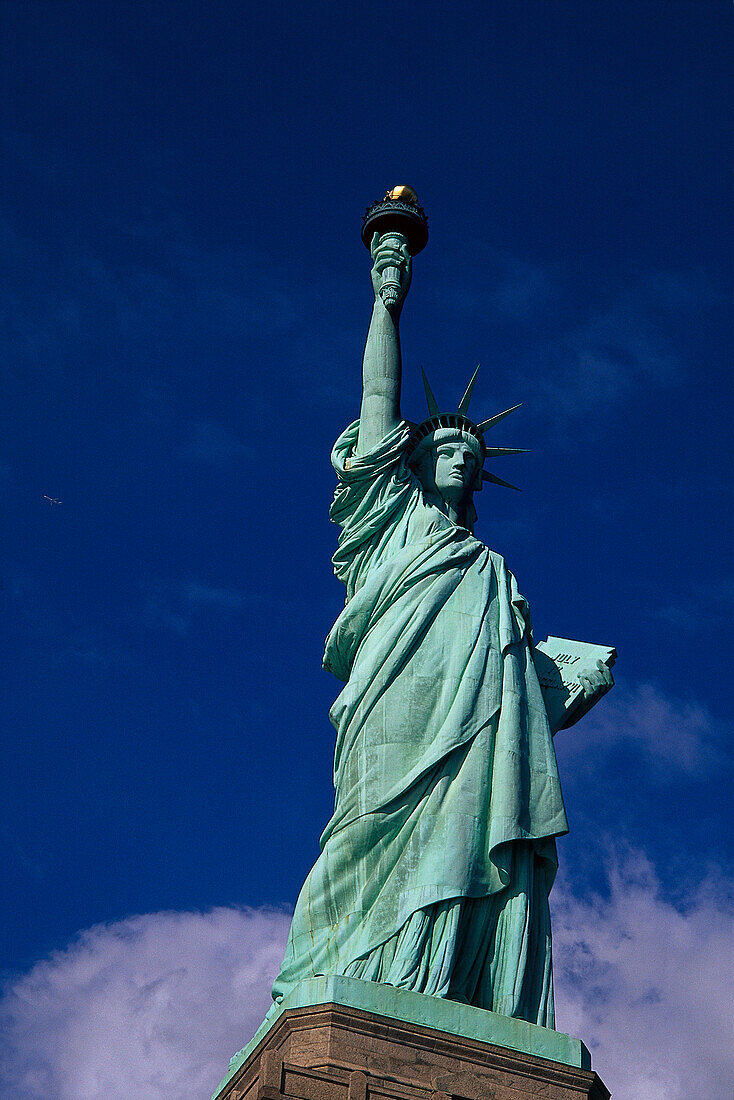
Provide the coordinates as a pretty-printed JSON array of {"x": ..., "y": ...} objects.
[{"x": 440, "y": 427}]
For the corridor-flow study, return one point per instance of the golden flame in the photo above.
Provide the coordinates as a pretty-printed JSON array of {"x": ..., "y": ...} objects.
[{"x": 404, "y": 192}]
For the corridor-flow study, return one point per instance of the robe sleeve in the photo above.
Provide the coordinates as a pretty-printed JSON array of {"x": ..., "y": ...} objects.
[{"x": 373, "y": 493}]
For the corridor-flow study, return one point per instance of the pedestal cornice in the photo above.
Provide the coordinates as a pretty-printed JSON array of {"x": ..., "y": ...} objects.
[{"x": 336, "y": 1049}]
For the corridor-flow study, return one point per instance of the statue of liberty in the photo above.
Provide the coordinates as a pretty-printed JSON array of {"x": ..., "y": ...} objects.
[{"x": 436, "y": 866}]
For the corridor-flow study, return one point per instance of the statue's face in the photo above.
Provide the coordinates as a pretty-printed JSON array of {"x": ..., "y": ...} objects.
[{"x": 455, "y": 471}]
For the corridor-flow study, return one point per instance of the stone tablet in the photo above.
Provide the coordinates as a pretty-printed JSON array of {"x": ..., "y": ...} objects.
[{"x": 559, "y": 662}]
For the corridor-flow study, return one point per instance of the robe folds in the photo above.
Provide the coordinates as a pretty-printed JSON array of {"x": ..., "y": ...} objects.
[{"x": 436, "y": 865}]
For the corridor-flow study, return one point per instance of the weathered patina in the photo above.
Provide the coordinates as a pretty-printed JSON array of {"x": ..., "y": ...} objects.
[{"x": 436, "y": 866}]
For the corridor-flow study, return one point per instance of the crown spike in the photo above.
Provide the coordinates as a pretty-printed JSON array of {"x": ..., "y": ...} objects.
[
  {"x": 464, "y": 403},
  {"x": 496, "y": 419},
  {"x": 486, "y": 476},
  {"x": 433, "y": 408},
  {"x": 497, "y": 452}
]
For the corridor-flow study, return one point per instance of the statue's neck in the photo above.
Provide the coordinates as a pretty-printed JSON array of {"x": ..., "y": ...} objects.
[{"x": 457, "y": 513}]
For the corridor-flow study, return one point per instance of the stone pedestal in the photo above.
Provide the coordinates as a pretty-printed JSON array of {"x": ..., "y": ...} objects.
[{"x": 361, "y": 1041}]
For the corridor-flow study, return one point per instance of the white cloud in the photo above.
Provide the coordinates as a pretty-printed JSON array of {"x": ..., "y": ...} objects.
[
  {"x": 172, "y": 605},
  {"x": 675, "y": 737},
  {"x": 631, "y": 344},
  {"x": 212, "y": 443},
  {"x": 632, "y": 338},
  {"x": 203, "y": 595},
  {"x": 150, "y": 1007},
  {"x": 511, "y": 288},
  {"x": 718, "y": 599},
  {"x": 614, "y": 351},
  {"x": 648, "y": 984},
  {"x": 154, "y": 1006}
]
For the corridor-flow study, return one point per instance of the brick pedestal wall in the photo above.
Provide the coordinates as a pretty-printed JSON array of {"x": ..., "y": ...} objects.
[{"x": 334, "y": 1052}]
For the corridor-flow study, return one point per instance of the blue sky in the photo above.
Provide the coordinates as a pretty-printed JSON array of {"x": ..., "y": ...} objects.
[{"x": 185, "y": 298}]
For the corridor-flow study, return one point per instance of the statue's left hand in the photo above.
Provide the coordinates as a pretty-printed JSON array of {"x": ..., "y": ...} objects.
[{"x": 595, "y": 684}]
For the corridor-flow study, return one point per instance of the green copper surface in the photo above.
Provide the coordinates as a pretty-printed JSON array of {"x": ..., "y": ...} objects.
[
  {"x": 436, "y": 865},
  {"x": 418, "y": 1009},
  {"x": 435, "y": 868}
]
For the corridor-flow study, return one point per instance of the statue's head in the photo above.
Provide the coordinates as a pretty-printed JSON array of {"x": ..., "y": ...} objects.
[
  {"x": 448, "y": 462},
  {"x": 447, "y": 452}
]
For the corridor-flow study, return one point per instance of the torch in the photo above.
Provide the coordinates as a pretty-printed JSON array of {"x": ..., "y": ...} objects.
[{"x": 399, "y": 219}]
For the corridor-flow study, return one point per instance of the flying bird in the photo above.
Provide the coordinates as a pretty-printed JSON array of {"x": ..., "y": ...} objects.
[{"x": 52, "y": 500}]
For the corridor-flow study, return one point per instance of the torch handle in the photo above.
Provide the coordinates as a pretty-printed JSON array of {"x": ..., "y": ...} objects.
[
  {"x": 391, "y": 276},
  {"x": 390, "y": 286}
]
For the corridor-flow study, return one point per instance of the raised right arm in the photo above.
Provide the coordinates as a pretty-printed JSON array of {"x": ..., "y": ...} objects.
[{"x": 381, "y": 365}]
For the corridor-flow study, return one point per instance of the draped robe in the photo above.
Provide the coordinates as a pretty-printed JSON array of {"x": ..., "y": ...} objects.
[{"x": 436, "y": 865}]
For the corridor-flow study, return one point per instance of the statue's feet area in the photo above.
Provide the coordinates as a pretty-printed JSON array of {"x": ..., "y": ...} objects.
[{"x": 345, "y": 1038}]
